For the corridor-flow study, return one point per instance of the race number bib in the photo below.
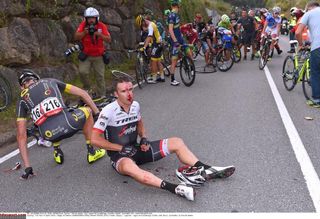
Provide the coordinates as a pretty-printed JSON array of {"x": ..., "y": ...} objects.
[{"x": 48, "y": 107}]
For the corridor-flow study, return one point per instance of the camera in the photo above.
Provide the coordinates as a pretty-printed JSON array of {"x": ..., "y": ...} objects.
[
  {"x": 77, "y": 47},
  {"x": 91, "y": 29}
]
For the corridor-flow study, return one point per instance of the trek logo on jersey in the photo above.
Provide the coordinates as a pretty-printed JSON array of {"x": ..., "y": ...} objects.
[
  {"x": 127, "y": 130},
  {"x": 129, "y": 119}
]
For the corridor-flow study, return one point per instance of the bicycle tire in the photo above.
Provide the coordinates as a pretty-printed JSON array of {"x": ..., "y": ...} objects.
[
  {"x": 288, "y": 75},
  {"x": 139, "y": 72},
  {"x": 263, "y": 57},
  {"x": 187, "y": 71},
  {"x": 237, "y": 54},
  {"x": 306, "y": 84},
  {"x": 5, "y": 94},
  {"x": 220, "y": 59}
]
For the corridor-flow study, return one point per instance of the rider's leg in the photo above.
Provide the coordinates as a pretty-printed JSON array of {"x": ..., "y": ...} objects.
[
  {"x": 128, "y": 167},
  {"x": 160, "y": 68},
  {"x": 93, "y": 154},
  {"x": 154, "y": 70},
  {"x": 185, "y": 156}
]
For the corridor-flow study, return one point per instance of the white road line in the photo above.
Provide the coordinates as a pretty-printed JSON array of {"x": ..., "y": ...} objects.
[
  {"x": 308, "y": 171},
  {"x": 15, "y": 152}
]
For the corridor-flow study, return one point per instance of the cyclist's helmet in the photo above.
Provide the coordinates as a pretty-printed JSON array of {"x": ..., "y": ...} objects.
[
  {"x": 175, "y": 2},
  {"x": 166, "y": 12},
  {"x": 292, "y": 10},
  {"x": 225, "y": 18},
  {"x": 263, "y": 11},
  {"x": 139, "y": 20},
  {"x": 276, "y": 10},
  {"x": 91, "y": 12},
  {"x": 27, "y": 74},
  {"x": 298, "y": 13},
  {"x": 193, "y": 176}
]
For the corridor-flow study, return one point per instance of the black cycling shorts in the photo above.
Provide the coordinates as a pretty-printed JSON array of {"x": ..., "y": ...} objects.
[
  {"x": 248, "y": 38},
  {"x": 156, "y": 52},
  {"x": 64, "y": 125},
  {"x": 158, "y": 150}
]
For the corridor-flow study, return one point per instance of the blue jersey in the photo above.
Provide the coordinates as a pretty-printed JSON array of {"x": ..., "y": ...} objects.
[{"x": 174, "y": 18}]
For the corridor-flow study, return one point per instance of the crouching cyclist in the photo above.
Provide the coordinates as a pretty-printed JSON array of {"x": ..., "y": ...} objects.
[
  {"x": 117, "y": 128},
  {"x": 41, "y": 98}
]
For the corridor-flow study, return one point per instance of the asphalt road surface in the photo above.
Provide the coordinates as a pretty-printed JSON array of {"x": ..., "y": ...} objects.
[{"x": 226, "y": 118}]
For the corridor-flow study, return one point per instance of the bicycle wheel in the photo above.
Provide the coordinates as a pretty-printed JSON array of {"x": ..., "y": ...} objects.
[
  {"x": 5, "y": 94},
  {"x": 288, "y": 73},
  {"x": 139, "y": 74},
  {"x": 306, "y": 84},
  {"x": 223, "y": 63},
  {"x": 187, "y": 71},
  {"x": 237, "y": 54},
  {"x": 264, "y": 53}
]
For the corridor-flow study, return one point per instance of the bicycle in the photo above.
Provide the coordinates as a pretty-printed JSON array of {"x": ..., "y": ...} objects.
[
  {"x": 5, "y": 93},
  {"x": 186, "y": 65},
  {"x": 296, "y": 68},
  {"x": 143, "y": 65},
  {"x": 264, "y": 52},
  {"x": 225, "y": 55}
]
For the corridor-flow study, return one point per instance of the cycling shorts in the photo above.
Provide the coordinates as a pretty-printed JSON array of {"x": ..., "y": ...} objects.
[
  {"x": 273, "y": 32},
  {"x": 64, "y": 124},
  {"x": 156, "y": 52},
  {"x": 158, "y": 150}
]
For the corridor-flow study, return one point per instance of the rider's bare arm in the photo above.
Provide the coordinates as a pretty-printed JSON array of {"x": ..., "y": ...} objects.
[
  {"x": 298, "y": 33},
  {"x": 22, "y": 141},
  {"x": 98, "y": 140},
  {"x": 141, "y": 129},
  {"x": 84, "y": 96},
  {"x": 173, "y": 37}
]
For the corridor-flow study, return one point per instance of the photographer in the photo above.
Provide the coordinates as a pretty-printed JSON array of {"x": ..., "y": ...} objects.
[{"x": 92, "y": 33}]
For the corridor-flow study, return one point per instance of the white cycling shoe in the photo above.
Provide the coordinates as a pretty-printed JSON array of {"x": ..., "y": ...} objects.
[
  {"x": 186, "y": 192},
  {"x": 219, "y": 172}
]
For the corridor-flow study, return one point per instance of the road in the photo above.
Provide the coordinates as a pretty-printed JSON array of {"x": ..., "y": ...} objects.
[{"x": 226, "y": 118}]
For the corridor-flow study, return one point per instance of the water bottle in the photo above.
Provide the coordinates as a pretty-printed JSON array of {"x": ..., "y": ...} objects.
[{"x": 43, "y": 142}]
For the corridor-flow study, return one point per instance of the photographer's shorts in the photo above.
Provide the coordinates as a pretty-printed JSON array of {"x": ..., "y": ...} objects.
[{"x": 64, "y": 125}]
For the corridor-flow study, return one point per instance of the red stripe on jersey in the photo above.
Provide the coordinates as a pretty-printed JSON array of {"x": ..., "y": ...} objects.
[
  {"x": 161, "y": 150},
  {"x": 98, "y": 130}
]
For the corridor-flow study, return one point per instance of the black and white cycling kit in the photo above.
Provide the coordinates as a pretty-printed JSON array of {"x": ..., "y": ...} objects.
[
  {"x": 43, "y": 101},
  {"x": 121, "y": 128}
]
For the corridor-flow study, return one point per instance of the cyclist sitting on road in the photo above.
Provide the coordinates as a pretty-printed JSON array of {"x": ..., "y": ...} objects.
[
  {"x": 208, "y": 42},
  {"x": 41, "y": 98},
  {"x": 176, "y": 38},
  {"x": 117, "y": 129},
  {"x": 156, "y": 49}
]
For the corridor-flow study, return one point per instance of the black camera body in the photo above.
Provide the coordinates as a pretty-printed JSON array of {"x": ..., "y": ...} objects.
[
  {"x": 92, "y": 29},
  {"x": 76, "y": 48}
]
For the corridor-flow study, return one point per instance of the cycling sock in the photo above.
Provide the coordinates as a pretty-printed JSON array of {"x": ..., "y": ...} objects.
[
  {"x": 90, "y": 148},
  {"x": 168, "y": 186},
  {"x": 56, "y": 145},
  {"x": 199, "y": 164},
  {"x": 172, "y": 77}
]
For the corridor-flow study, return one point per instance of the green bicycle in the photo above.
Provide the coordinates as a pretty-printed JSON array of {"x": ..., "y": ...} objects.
[{"x": 296, "y": 68}]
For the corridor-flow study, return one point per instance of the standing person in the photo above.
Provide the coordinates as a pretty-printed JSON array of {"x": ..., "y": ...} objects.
[
  {"x": 311, "y": 20},
  {"x": 176, "y": 38},
  {"x": 93, "y": 34},
  {"x": 41, "y": 99},
  {"x": 292, "y": 24},
  {"x": 153, "y": 38},
  {"x": 248, "y": 24},
  {"x": 117, "y": 129}
]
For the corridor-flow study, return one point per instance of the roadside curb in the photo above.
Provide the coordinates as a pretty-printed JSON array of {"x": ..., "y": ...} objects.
[{"x": 7, "y": 138}]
